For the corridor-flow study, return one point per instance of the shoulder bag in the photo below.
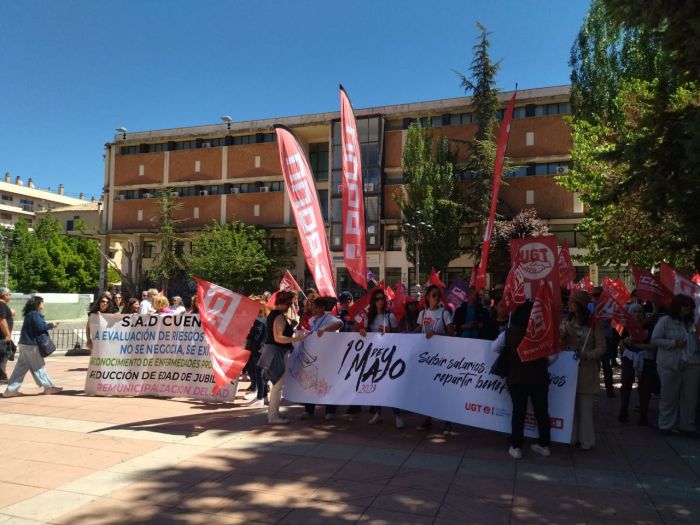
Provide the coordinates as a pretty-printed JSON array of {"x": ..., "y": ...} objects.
[{"x": 46, "y": 345}]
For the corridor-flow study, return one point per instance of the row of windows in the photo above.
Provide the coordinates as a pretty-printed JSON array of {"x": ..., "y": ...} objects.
[
  {"x": 199, "y": 190},
  {"x": 460, "y": 119},
  {"x": 256, "y": 138},
  {"x": 546, "y": 168}
]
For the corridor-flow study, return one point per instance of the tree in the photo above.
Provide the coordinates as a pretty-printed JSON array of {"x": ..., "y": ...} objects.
[
  {"x": 430, "y": 201},
  {"x": 168, "y": 262},
  {"x": 636, "y": 127},
  {"x": 234, "y": 255},
  {"x": 482, "y": 149}
]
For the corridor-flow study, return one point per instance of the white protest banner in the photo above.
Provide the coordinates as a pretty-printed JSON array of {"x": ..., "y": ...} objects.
[
  {"x": 444, "y": 377},
  {"x": 140, "y": 355}
]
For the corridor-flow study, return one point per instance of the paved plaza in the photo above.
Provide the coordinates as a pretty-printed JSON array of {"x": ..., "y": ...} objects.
[{"x": 73, "y": 459}]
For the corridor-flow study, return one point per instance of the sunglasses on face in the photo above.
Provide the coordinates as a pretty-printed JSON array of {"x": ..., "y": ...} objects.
[
  {"x": 380, "y": 298},
  {"x": 104, "y": 301}
]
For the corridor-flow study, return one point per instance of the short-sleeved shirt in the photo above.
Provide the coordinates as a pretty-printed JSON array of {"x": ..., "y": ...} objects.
[
  {"x": 6, "y": 313},
  {"x": 435, "y": 321},
  {"x": 383, "y": 323},
  {"x": 316, "y": 323},
  {"x": 146, "y": 308}
]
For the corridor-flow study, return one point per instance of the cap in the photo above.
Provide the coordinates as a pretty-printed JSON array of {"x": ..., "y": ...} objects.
[{"x": 344, "y": 296}]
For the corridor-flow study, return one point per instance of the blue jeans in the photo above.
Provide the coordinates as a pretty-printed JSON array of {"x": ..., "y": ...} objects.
[{"x": 29, "y": 360}]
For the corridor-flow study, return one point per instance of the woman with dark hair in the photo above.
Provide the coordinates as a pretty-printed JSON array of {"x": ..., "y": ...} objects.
[
  {"x": 409, "y": 322},
  {"x": 678, "y": 364},
  {"x": 118, "y": 302},
  {"x": 194, "y": 305},
  {"x": 29, "y": 357},
  {"x": 103, "y": 305},
  {"x": 525, "y": 380},
  {"x": 278, "y": 345},
  {"x": 132, "y": 306},
  {"x": 380, "y": 319},
  {"x": 582, "y": 334}
]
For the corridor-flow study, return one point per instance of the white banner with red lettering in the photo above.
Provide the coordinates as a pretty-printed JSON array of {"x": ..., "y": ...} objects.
[
  {"x": 301, "y": 189},
  {"x": 354, "y": 247},
  {"x": 444, "y": 377}
]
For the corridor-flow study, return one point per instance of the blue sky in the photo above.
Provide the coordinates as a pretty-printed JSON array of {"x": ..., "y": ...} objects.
[{"x": 71, "y": 71}]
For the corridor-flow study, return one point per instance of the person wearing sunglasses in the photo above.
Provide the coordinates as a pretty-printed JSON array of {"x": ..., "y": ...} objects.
[
  {"x": 103, "y": 305},
  {"x": 118, "y": 302},
  {"x": 380, "y": 320},
  {"x": 678, "y": 365}
]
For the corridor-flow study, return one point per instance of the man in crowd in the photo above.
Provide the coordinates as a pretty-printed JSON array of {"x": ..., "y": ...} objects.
[
  {"x": 6, "y": 323},
  {"x": 146, "y": 307}
]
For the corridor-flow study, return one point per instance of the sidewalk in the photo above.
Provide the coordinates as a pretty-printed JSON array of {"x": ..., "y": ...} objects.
[{"x": 73, "y": 459}]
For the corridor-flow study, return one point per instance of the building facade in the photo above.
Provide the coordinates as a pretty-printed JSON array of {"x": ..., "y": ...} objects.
[{"x": 231, "y": 171}]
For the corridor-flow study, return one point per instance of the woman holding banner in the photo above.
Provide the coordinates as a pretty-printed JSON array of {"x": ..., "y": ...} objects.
[
  {"x": 380, "y": 320},
  {"x": 581, "y": 333},
  {"x": 278, "y": 345}
]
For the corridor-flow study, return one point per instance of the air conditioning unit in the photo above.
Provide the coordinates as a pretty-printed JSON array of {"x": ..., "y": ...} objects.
[
  {"x": 202, "y": 193},
  {"x": 370, "y": 229},
  {"x": 206, "y": 144},
  {"x": 235, "y": 190},
  {"x": 147, "y": 195},
  {"x": 336, "y": 241},
  {"x": 562, "y": 169},
  {"x": 372, "y": 239},
  {"x": 265, "y": 189},
  {"x": 121, "y": 197},
  {"x": 369, "y": 186}
]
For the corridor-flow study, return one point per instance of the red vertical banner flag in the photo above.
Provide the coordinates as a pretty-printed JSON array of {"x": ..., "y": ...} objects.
[
  {"x": 514, "y": 289},
  {"x": 226, "y": 320},
  {"x": 354, "y": 247},
  {"x": 503, "y": 134},
  {"x": 649, "y": 288},
  {"x": 303, "y": 197},
  {"x": 567, "y": 273},
  {"x": 542, "y": 335}
]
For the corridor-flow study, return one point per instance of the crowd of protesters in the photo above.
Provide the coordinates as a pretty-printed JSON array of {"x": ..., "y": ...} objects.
[{"x": 666, "y": 363}]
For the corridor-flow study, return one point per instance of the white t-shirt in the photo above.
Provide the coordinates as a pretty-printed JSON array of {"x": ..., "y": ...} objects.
[
  {"x": 383, "y": 323},
  {"x": 146, "y": 308},
  {"x": 434, "y": 320},
  {"x": 316, "y": 323},
  {"x": 179, "y": 310}
]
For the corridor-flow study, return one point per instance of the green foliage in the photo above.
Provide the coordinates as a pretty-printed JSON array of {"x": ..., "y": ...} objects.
[
  {"x": 49, "y": 261},
  {"x": 233, "y": 255},
  {"x": 431, "y": 197},
  {"x": 636, "y": 130},
  {"x": 168, "y": 262}
]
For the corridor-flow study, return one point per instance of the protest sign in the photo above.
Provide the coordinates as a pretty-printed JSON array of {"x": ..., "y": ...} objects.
[
  {"x": 138, "y": 355},
  {"x": 444, "y": 377}
]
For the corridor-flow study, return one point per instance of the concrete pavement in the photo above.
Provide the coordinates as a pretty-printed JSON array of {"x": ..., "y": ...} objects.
[{"x": 74, "y": 459}]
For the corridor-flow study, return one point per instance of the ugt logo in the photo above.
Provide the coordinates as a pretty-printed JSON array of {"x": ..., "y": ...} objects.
[
  {"x": 220, "y": 305},
  {"x": 536, "y": 260},
  {"x": 538, "y": 325}
]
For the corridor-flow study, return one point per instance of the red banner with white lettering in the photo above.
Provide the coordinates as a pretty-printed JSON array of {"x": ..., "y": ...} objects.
[
  {"x": 649, "y": 288},
  {"x": 585, "y": 284},
  {"x": 503, "y": 134},
  {"x": 542, "y": 336},
  {"x": 301, "y": 189},
  {"x": 226, "y": 320},
  {"x": 608, "y": 307},
  {"x": 289, "y": 283},
  {"x": 354, "y": 247},
  {"x": 567, "y": 273},
  {"x": 617, "y": 290},
  {"x": 676, "y": 283}
]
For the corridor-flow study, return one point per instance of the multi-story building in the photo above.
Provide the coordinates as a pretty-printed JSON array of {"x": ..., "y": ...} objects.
[
  {"x": 231, "y": 171},
  {"x": 20, "y": 201}
]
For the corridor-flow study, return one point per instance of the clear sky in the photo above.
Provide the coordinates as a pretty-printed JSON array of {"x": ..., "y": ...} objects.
[{"x": 71, "y": 71}]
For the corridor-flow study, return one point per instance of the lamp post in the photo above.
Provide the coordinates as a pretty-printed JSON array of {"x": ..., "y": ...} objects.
[
  {"x": 419, "y": 228},
  {"x": 123, "y": 131},
  {"x": 227, "y": 119}
]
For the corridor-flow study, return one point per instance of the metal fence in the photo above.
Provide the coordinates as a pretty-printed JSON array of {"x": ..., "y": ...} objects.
[{"x": 64, "y": 339}]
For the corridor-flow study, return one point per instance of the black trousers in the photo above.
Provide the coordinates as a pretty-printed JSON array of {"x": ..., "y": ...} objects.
[
  {"x": 519, "y": 394},
  {"x": 607, "y": 361}
]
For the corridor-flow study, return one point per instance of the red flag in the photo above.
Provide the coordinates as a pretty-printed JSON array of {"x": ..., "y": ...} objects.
[
  {"x": 354, "y": 246},
  {"x": 676, "y": 284},
  {"x": 617, "y": 290},
  {"x": 567, "y": 273},
  {"x": 435, "y": 279},
  {"x": 541, "y": 337},
  {"x": 503, "y": 134},
  {"x": 288, "y": 283},
  {"x": 649, "y": 288},
  {"x": 358, "y": 310},
  {"x": 608, "y": 307},
  {"x": 226, "y": 319},
  {"x": 695, "y": 278},
  {"x": 514, "y": 289},
  {"x": 304, "y": 203},
  {"x": 584, "y": 284},
  {"x": 399, "y": 299}
]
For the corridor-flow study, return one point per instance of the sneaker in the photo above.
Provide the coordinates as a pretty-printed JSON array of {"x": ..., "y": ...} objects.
[
  {"x": 250, "y": 395},
  {"x": 542, "y": 451},
  {"x": 52, "y": 390},
  {"x": 427, "y": 424},
  {"x": 256, "y": 403},
  {"x": 329, "y": 417},
  {"x": 515, "y": 453},
  {"x": 376, "y": 418},
  {"x": 278, "y": 421},
  {"x": 306, "y": 415},
  {"x": 400, "y": 423},
  {"x": 12, "y": 393}
]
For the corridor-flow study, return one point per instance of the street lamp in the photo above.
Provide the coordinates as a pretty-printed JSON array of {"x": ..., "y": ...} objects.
[
  {"x": 227, "y": 119},
  {"x": 419, "y": 229},
  {"x": 123, "y": 131}
]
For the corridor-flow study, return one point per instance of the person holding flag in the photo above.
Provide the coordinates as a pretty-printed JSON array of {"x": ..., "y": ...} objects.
[{"x": 583, "y": 334}]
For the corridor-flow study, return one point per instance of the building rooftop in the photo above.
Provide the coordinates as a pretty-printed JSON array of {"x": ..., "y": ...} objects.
[{"x": 85, "y": 206}]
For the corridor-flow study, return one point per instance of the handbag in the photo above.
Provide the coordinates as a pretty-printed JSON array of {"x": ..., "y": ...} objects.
[
  {"x": 46, "y": 345},
  {"x": 10, "y": 350},
  {"x": 501, "y": 366}
]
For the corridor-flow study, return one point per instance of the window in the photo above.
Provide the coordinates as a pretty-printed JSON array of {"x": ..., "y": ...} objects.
[
  {"x": 318, "y": 160},
  {"x": 69, "y": 225},
  {"x": 519, "y": 112},
  {"x": 26, "y": 204},
  {"x": 156, "y": 148},
  {"x": 186, "y": 144},
  {"x": 7, "y": 198},
  {"x": 570, "y": 233},
  {"x": 6, "y": 216},
  {"x": 129, "y": 150},
  {"x": 277, "y": 186},
  {"x": 393, "y": 240},
  {"x": 323, "y": 203},
  {"x": 149, "y": 249}
]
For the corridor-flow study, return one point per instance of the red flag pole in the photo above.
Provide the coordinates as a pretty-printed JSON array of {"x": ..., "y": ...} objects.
[{"x": 503, "y": 134}]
